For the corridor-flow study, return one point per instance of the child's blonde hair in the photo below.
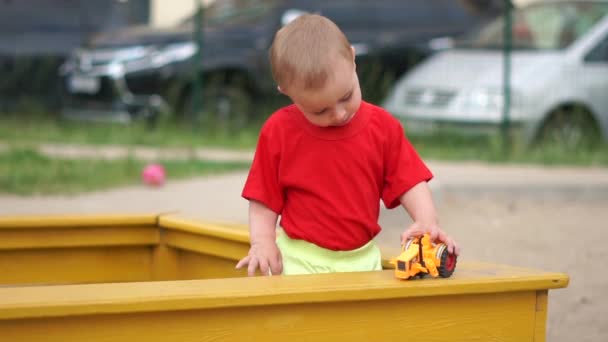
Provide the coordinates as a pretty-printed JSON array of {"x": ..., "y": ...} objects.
[{"x": 303, "y": 52}]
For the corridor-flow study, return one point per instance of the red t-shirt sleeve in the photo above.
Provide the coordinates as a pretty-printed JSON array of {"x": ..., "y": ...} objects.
[
  {"x": 263, "y": 181},
  {"x": 403, "y": 167}
]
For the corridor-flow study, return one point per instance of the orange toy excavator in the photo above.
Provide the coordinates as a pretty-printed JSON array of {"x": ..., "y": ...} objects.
[{"x": 420, "y": 256}]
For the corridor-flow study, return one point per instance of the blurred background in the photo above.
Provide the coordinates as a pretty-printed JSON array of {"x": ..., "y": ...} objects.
[
  {"x": 506, "y": 100},
  {"x": 452, "y": 70}
]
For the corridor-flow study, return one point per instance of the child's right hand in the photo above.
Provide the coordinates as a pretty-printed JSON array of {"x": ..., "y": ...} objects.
[{"x": 264, "y": 255}]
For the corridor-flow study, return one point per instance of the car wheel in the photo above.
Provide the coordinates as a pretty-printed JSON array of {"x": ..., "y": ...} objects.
[{"x": 570, "y": 128}]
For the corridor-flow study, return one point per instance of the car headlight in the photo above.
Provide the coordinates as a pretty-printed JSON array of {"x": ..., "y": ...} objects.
[
  {"x": 127, "y": 54},
  {"x": 490, "y": 99},
  {"x": 174, "y": 53},
  {"x": 116, "y": 70},
  {"x": 156, "y": 57}
]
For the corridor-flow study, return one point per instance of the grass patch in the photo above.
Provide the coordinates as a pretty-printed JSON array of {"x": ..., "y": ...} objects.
[
  {"x": 448, "y": 145},
  {"x": 458, "y": 147},
  {"x": 37, "y": 129},
  {"x": 26, "y": 172}
]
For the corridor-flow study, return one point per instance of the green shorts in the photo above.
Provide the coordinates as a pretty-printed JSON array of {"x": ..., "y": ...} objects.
[{"x": 303, "y": 257}]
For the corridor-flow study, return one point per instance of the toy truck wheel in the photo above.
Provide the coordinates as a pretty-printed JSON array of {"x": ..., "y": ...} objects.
[{"x": 447, "y": 263}]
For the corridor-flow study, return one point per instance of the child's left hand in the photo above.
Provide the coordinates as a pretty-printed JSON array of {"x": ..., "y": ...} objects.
[{"x": 436, "y": 234}]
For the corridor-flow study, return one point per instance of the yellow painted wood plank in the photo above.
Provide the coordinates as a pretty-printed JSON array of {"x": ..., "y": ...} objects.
[
  {"x": 56, "y": 237},
  {"x": 207, "y": 244},
  {"x": 201, "y": 266},
  {"x": 238, "y": 292},
  {"x": 218, "y": 230},
  {"x": 540, "y": 319},
  {"x": 165, "y": 263},
  {"x": 74, "y": 265},
  {"x": 506, "y": 317},
  {"x": 72, "y": 221}
]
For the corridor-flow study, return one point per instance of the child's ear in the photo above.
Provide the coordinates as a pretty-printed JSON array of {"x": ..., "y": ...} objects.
[
  {"x": 280, "y": 90},
  {"x": 352, "y": 50}
]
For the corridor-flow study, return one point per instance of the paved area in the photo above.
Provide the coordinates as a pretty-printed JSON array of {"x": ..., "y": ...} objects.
[
  {"x": 218, "y": 198},
  {"x": 459, "y": 176},
  {"x": 109, "y": 152}
]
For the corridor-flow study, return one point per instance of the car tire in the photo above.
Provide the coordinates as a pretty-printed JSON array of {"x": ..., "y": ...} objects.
[{"x": 570, "y": 128}]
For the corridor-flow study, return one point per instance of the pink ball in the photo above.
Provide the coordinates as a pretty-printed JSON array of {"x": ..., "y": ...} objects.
[{"x": 153, "y": 174}]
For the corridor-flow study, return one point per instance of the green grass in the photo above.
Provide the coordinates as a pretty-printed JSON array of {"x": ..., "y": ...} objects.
[
  {"x": 457, "y": 147},
  {"x": 26, "y": 172},
  {"x": 35, "y": 129}
]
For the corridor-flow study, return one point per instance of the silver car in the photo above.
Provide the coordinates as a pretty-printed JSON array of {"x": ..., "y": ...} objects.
[{"x": 559, "y": 79}]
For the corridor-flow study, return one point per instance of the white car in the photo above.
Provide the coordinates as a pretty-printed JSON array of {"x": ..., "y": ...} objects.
[{"x": 559, "y": 78}]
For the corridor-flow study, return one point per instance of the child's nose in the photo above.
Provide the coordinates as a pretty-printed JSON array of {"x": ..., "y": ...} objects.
[{"x": 340, "y": 114}]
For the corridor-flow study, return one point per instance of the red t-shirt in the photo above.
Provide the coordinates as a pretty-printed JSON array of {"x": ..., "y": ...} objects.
[{"x": 327, "y": 182}]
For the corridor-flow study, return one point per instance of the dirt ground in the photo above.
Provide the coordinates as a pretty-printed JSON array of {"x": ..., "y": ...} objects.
[{"x": 554, "y": 233}]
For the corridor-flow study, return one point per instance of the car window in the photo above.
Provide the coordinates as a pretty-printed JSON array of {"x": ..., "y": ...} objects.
[
  {"x": 599, "y": 53},
  {"x": 543, "y": 26}
]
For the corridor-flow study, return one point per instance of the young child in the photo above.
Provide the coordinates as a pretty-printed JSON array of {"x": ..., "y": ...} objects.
[{"x": 324, "y": 162}]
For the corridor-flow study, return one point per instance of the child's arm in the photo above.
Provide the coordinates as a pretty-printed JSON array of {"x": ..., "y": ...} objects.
[
  {"x": 264, "y": 253},
  {"x": 418, "y": 202}
]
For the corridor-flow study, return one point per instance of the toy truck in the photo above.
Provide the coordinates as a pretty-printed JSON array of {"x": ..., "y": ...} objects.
[{"x": 419, "y": 256}]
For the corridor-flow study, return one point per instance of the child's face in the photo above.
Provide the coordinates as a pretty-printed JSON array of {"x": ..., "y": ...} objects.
[{"x": 334, "y": 104}]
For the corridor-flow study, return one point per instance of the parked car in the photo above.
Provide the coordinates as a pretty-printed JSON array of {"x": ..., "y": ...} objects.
[
  {"x": 36, "y": 37},
  {"x": 137, "y": 72},
  {"x": 559, "y": 78}
]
